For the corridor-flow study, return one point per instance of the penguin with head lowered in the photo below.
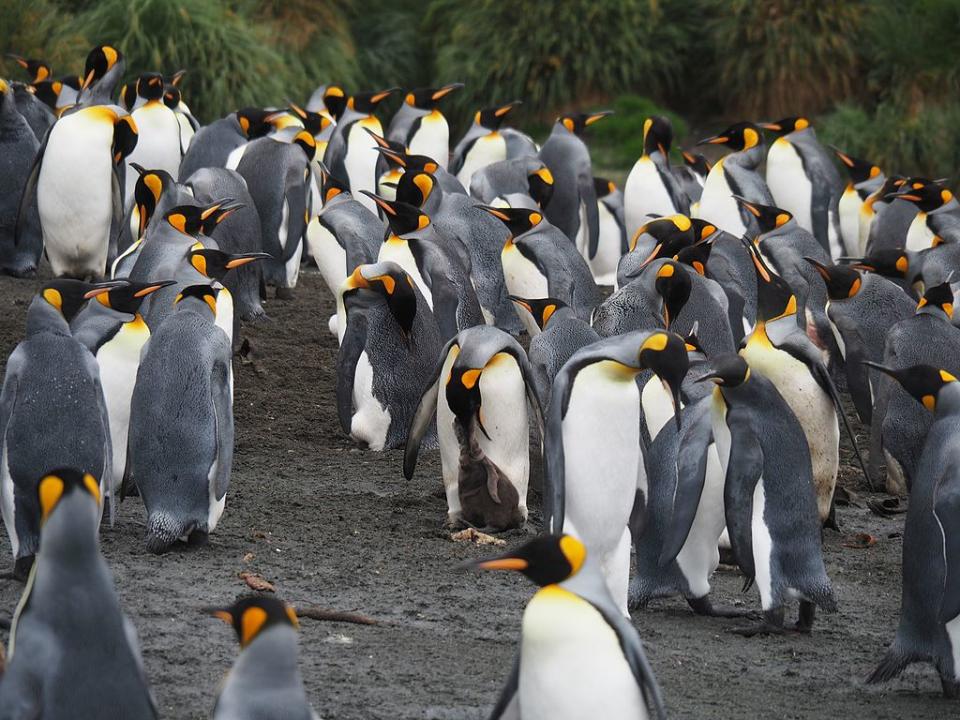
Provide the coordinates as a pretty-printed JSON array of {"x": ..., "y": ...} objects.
[
  {"x": 390, "y": 342},
  {"x": 929, "y": 628},
  {"x": 573, "y": 204},
  {"x": 482, "y": 144},
  {"x": 805, "y": 182},
  {"x": 865, "y": 179},
  {"x": 101, "y": 75},
  {"x": 578, "y": 656},
  {"x": 735, "y": 174},
  {"x": 78, "y": 181},
  {"x": 52, "y": 411},
  {"x": 18, "y": 146},
  {"x": 265, "y": 680},
  {"x": 594, "y": 472},
  {"x": 73, "y": 653},
  {"x": 181, "y": 423},
  {"x": 769, "y": 500},
  {"x": 651, "y": 187},
  {"x": 496, "y": 183},
  {"x": 481, "y": 421},
  {"x": 419, "y": 125}
]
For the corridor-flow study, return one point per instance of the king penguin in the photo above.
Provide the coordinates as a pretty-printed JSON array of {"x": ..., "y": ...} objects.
[
  {"x": 101, "y": 75},
  {"x": 865, "y": 179},
  {"x": 18, "y": 147},
  {"x": 52, "y": 412},
  {"x": 482, "y": 144},
  {"x": 651, "y": 188},
  {"x": 181, "y": 423},
  {"x": 938, "y": 212},
  {"x": 487, "y": 382},
  {"x": 420, "y": 126},
  {"x": 78, "y": 658},
  {"x": 265, "y": 680},
  {"x": 612, "y": 240},
  {"x": 158, "y": 133},
  {"x": 578, "y": 656}
]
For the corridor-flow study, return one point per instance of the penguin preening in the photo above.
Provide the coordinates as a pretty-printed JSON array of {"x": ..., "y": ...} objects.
[
  {"x": 101, "y": 75},
  {"x": 79, "y": 658},
  {"x": 482, "y": 427},
  {"x": 578, "y": 656}
]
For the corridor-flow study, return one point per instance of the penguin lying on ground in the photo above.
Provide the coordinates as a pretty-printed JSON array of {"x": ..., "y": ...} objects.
[{"x": 578, "y": 656}]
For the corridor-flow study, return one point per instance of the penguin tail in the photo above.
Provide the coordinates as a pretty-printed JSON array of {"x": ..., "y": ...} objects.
[
  {"x": 162, "y": 532},
  {"x": 892, "y": 665}
]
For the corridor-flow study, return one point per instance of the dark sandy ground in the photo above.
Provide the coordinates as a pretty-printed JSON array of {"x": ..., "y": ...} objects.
[{"x": 332, "y": 525}]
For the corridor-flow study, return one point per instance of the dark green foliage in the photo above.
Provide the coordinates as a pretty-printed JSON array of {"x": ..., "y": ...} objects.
[{"x": 617, "y": 141}]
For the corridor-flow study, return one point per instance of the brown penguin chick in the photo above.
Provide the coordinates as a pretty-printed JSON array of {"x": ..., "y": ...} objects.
[{"x": 489, "y": 501}]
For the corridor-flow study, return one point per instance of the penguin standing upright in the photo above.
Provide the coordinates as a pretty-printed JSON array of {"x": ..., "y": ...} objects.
[
  {"x": 487, "y": 382},
  {"x": 578, "y": 656},
  {"x": 573, "y": 204},
  {"x": 213, "y": 145},
  {"x": 865, "y": 179},
  {"x": 768, "y": 495},
  {"x": 929, "y": 628},
  {"x": 734, "y": 174},
  {"x": 482, "y": 144},
  {"x": 158, "y": 131},
  {"x": 181, "y": 423},
  {"x": 937, "y": 212},
  {"x": 37, "y": 113},
  {"x": 651, "y": 188},
  {"x": 78, "y": 180},
  {"x": 593, "y": 464},
  {"x": 265, "y": 681},
  {"x": 804, "y": 181},
  {"x": 612, "y": 238},
  {"x": 420, "y": 126},
  {"x": 18, "y": 147},
  {"x": 884, "y": 218},
  {"x": 52, "y": 412},
  {"x": 76, "y": 659},
  {"x": 113, "y": 330}
]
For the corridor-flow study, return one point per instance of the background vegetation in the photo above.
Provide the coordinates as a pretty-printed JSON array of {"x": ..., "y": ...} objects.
[{"x": 880, "y": 78}]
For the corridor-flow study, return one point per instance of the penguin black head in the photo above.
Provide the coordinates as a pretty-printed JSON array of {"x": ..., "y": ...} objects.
[
  {"x": 415, "y": 187},
  {"x": 702, "y": 229},
  {"x": 252, "y": 614},
  {"x": 692, "y": 343},
  {"x": 940, "y": 296},
  {"x": 657, "y": 135},
  {"x": 124, "y": 137},
  {"x": 463, "y": 395},
  {"x": 787, "y": 125},
  {"x": 331, "y": 185},
  {"x": 255, "y": 122},
  {"x": 146, "y": 193},
  {"x": 542, "y": 309},
  {"x": 603, "y": 187},
  {"x": 775, "y": 299},
  {"x": 673, "y": 285},
  {"x": 768, "y": 217},
  {"x": 578, "y": 122},
  {"x": 696, "y": 256},
  {"x": 672, "y": 233},
  {"x": 48, "y": 92},
  {"x": 890, "y": 187},
  {"x": 540, "y": 186},
  {"x": 842, "y": 281},
  {"x": 194, "y": 221},
  {"x": 858, "y": 170},
  {"x": 427, "y": 98},
  {"x": 38, "y": 70},
  {"x": 696, "y": 162},
  {"x": 150, "y": 86},
  {"x": 396, "y": 285},
  {"x": 335, "y": 100},
  {"x": 367, "y": 102},
  {"x": 4, "y": 87},
  {"x": 306, "y": 142},
  {"x": 100, "y": 61},
  {"x": 395, "y": 153},
  {"x": 68, "y": 296},
  {"x": 215, "y": 264},
  {"x": 314, "y": 123},
  {"x": 172, "y": 97},
  {"x": 927, "y": 196},
  {"x": 728, "y": 371},
  {"x": 517, "y": 220},
  {"x": 889, "y": 262},
  {"x": 57, "y": 484},
  {"x": 492, "y": 117},
  {"x": 403, "y": 218},
  {"x": 205, "y": 293},
  {"x": 128, "y": 96},
  {"x": 739, "y": 136},
  {"x": 128, "y": 297},
  {"x": 665, "y": 353},
  {"x": 922, "y": 382},
  {"x": 546, "y": 560}
]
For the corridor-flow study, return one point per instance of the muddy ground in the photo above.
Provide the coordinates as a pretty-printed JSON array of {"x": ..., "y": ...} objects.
[{"x": 332, "y": 525}]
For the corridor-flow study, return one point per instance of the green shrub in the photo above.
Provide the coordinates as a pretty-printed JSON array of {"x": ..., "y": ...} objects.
[
  {"x": 617, "y": 141},
  {"x": 26, "y": 28}
]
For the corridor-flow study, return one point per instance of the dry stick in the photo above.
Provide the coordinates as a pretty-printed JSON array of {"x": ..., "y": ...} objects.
[{"x": 315, "y": 612}]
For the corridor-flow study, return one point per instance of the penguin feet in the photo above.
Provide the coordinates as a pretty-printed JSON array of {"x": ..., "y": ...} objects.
[
  {"x": 284, "y": 293},
  {"x": 703, "y": 606},
  {"x": 808, "y": 612},
  {"x": 21, "y": 569},
  {"x": 771, "y": 624},
  {"x": 198, "y": 538},
  {"x": 951, "y": 687}
]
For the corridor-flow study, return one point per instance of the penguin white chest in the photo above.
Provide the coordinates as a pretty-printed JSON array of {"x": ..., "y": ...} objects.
[
  {"x": 604, "y": 263},
  {"x": 398, "y": 251},
  {"x": 523, "y": 279},
  {"x": 158, "y": 143},
  {"x": 919, "y": 236},
  {"x": 571, "y": 663},
  {"x": 788, "y": 182},
  {"x": 486, "y": 150},
  {"x": 371, "y": 420},
  {"x": 644, "y": 194},
  {"x": 361, "y": 159},
  {"x": 849, "y": 209},
  {"x": 432, "y": 138},
  {"x": 867, "y": 214},
  {"x": 717, "y": 204},
  {"x": 329, "y": 255}
]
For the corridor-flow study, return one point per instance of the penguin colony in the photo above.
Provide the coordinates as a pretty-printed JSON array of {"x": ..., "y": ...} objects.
[{"x": 692, "y": 411}]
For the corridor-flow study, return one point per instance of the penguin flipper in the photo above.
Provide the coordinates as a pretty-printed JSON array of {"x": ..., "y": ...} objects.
[
  {"x": 554, "y": 462},
  {"x": 588, "y": 196},
  {"x": 21, "y": 692},
  {"x": 426, "y": 411},
  {"x": 692, "y": 448},
  {"x": 946, "y": 509},
  {"x": 29, "y": 192},
  {"x": 353, "y": 343},
  {"x": 508, "y": 704},
  {"x": 743, "y": 472},
  {"x": 858, "y": 382},
  {"x": 93, "y": 371},
  {"x": 223, "y": 427}
]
